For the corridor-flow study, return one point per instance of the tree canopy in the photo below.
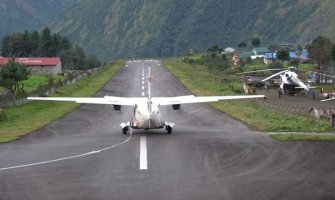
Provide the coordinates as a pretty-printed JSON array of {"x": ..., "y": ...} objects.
[
  {"x": 11, "y": 76},
  {"x": 242, "y": 45},
  {"x": 283, "y": 55},
  {"x": 320, "y": 51},
  {"x": 255, "y": 42},
  {"x": 333, "y": 52},
  {"x": 215, "y": 49},
  {"x": 46, "y": 44}
]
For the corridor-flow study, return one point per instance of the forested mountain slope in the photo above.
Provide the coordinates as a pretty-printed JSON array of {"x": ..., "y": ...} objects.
[
  {"x": 160, "y": 28},
  {"x": 21, "y": 15},
  {"x": 164, "y": 28}
]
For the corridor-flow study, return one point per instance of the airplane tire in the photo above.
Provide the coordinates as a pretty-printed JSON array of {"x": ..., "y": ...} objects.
[
  {"x": 169, "y": 129},
  {"x": 124, "y": 130}
]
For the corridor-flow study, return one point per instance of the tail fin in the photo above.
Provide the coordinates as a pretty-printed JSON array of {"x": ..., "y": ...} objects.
[
  {"x": 149, "y": 89},
  {"x": 149, "y": 83}
]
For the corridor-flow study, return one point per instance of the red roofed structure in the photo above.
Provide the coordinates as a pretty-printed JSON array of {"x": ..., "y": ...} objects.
[{"x": 42, "y": 66}]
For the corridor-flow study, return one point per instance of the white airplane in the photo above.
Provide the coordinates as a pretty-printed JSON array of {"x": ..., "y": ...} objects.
[{"x": 146, "y": 112}]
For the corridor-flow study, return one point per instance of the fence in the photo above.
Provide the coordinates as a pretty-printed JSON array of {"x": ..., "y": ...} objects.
[
  {"x": 322, "y": 112},
  {"x": 296, "y": 110},
  {"x": 283, "y": 107}
]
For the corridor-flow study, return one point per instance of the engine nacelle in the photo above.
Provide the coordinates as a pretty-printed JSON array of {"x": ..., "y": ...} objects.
[
  {"x": 176, "y": 106},
  {"x": 117, "y": 107}
]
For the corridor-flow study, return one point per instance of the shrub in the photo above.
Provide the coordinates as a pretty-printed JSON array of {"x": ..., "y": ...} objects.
[
  {"x": 276, "y": 65},
  {"x": 2, "y": 115}
]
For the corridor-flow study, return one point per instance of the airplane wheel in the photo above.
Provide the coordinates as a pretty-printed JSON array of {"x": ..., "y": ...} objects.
[
  {"x": 124, "y": 130},
  {"x": 169, "y": 129}
]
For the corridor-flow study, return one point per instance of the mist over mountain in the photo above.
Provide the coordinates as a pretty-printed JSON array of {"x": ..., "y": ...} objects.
[{"x": 161, "y": 28}]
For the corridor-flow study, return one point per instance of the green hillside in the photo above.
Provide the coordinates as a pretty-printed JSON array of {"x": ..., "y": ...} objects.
[
  {"x": 160, "y": 28},
  {"x": 165, "y": 28},
  {"x": 21, "y": 15}
]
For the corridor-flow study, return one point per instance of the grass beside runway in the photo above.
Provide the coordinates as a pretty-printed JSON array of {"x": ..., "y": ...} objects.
[
  {"x": 202, "y": 81},
  {"x": 305, "y": 137},
  {"x": 21, "y": 120}
]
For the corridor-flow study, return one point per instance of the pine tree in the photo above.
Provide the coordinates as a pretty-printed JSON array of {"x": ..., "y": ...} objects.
[{"x": 46, "y": 43}]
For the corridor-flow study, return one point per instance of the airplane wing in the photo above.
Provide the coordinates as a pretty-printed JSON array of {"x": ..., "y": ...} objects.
[
  {"x": 132, "y": 101},
  {"x": 124, "y": 101},
  {"x": 193, "y": 99}
]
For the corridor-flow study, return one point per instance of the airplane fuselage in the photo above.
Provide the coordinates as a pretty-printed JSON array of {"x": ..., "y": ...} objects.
[{"x": 147, "y": 116}]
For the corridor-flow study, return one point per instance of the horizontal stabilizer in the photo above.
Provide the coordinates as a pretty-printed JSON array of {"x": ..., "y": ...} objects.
[
  {"x": 125, "y": 124},
  {"x": 169, "y": 124}
]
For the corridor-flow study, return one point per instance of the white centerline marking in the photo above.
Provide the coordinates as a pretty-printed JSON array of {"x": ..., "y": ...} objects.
[
  {"x": 142, "y": 87},
  {"x": 142, "y": 82},
  {"x": 143, "y": 153},
  {"x": 142, "y": 93}
]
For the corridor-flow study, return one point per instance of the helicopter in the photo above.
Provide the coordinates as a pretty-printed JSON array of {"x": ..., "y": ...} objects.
[{"x": 289, "y": 82}]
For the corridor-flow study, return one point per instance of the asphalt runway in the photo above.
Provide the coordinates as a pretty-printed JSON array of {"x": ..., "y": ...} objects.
[{"x": 208, "y": 156}]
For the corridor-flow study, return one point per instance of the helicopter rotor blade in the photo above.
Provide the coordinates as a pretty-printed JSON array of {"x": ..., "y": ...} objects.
[
  {"x": 312, "y": 71},
  {"x": 261, "y": 70},
  {"x": 323, "y": 74},
  {"x": 274, "y": 75}
]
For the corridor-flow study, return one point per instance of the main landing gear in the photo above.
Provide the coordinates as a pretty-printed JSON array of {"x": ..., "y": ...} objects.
[
  {"x": 168, "y": 129},
  {"x": 125, "y": 130}
]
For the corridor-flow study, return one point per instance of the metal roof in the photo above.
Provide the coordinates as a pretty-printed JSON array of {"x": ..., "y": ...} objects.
[
  {"x": 33, "y": 61},
  {"x": 271, "y": 55}
]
